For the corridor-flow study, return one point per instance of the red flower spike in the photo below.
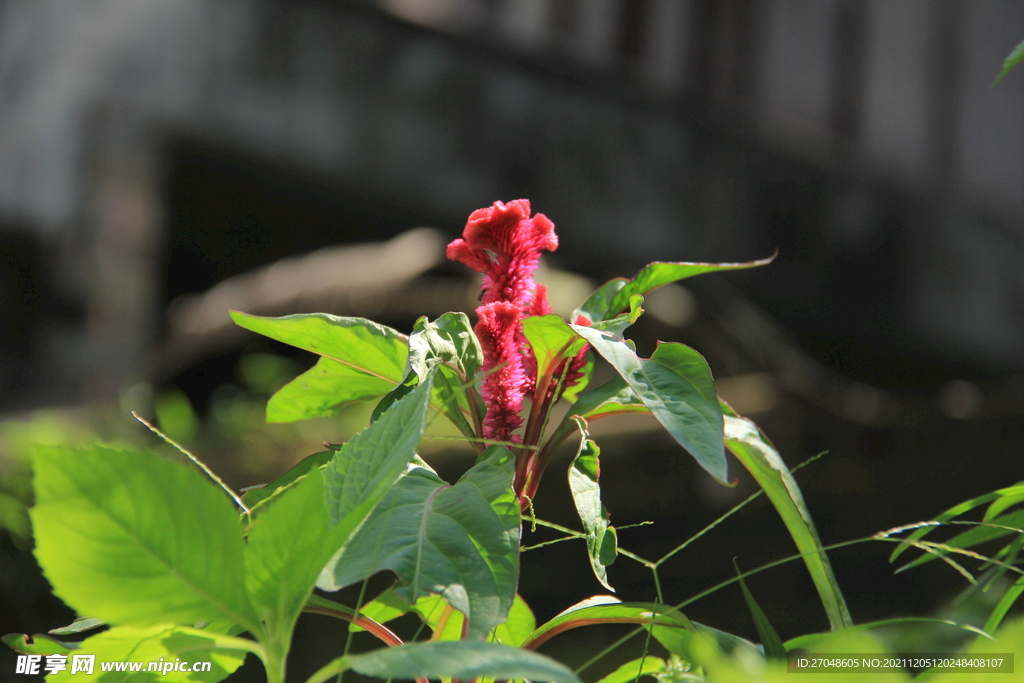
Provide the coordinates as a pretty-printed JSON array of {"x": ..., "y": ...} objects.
[{"x": 504, "y": 243}]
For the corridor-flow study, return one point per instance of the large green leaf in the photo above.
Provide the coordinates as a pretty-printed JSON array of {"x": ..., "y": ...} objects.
[
  {"x": 294, "y": 538},
  {"x": 675, "y": 384},
  {"x": 660, "y": 273},
  {"x": 614, "y": 397},
  {"x": 460, "y": 541},
  {"x": 584, "y": 472},
  {"x": 324, "y": 390},
  {"x": 361, "y": 360},
  {"x": 757, "y": 454},
  {"x": 456, "y": 660},
  {"x": 126, "y": 647},
  {"x": 132, "y": 539}
]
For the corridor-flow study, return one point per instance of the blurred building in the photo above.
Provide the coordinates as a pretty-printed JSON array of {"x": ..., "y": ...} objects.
[{"x": 150, "y": 149}]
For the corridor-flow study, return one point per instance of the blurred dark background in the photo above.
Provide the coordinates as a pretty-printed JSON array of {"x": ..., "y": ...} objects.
[{"x": 155, "y": 156}]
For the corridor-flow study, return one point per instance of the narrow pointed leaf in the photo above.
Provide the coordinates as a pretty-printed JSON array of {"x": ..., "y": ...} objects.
[
  {"x": 676, "y": 386},
  {"x": 133, "y": 539},
  {"x": 757, "y": 454},
  {"x": 255, "y": 498},
  {"x": 990, "y": 530},
  {"x": 458, "y": 541},
  {"x": 361, "y": 360},
  {"x": 79, "y": 625},
  {"x": 460, "y": 660},
  {"x": 584, "y": 472},
  {"x": 959, "y": 509},
  {"x": 773, "y": 647},
  {"x": 1012, "y": 60},
  {"x": 292, "y": 540},
  {"x": 605, "y": 609},
  {"x": 660, "y": 273}
]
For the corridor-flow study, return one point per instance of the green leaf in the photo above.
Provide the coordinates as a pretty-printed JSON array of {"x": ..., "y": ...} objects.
[
  {"x": 631, "y": 671},
  {"x": 757, "y": 454},
  {"x": 773, "y": 647},
  {"x": 79, "y": 625},
  {"x": 618, "y": 324},
  {"x": 39, "y": 644},
  {"x": 813, "y": 641},
  {"x": 371, "y": 357},
  {"x": 324, "y": 390},
  {"x": 584, "y": 472},
  {"x": 675, "y": 384},
  {"x": 1010, "y": 492},
  {"x": 459, "y": 660},
  {"x": 668, "y": 623},
  {"x": 1012, "y": 60},
  {"x": 255, "y": 498},
  {"x": 133, "y": 539},
  {"x": 595, "y": 308},
  {"x": 293, "y": 539},
  {"x": 450, "y": 345},
  {"x": 125, "y": 645},
  {"x": 552, "y": 341},
  {"x": 15, "y": 520},
  {"x": 614, "y": 397},
  {"x": 460, "y": 541},
  {"x": 660, "y": 273},
  {"x": 987, "y": 531},
  {"x": 517, "y": 628},
  {"x": 572, "y": 394}
]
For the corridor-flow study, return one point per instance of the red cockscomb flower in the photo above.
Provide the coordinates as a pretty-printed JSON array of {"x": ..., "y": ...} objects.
[{"x": 503, "y": 242}]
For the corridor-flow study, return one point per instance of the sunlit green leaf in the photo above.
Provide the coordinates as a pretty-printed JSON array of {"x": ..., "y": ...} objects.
[
  {"x": 125, "y": 646},
  {"x": 258, "y": 496},
  {"x": 959, "y": 509},
  {"x": 449, "y": 345},
  {"x": 361, "y": 360},
  {"x": 133, "y": 539},
  {"x": 757, "y": 454},
  {"x": 596, "y": 306},
  {"x": 39, "y": 644},
  {"x": 459, "y": 541},
  {"x": 552, "y": 341},
  {"x": 660, "y": 273},
  {"x": 669, "y": 625},
  {"x": 584, "y": 472},
  {"x": 517, "y": 628},
  {"x": 79, "y": 625},
  {"x": 291, "y": 541},
  {"x": 676, "y": 386},
  {"x": 324, "y": 390},
  {"x": 614, "y": 397},
  {"x": 631, "y": 671}
]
